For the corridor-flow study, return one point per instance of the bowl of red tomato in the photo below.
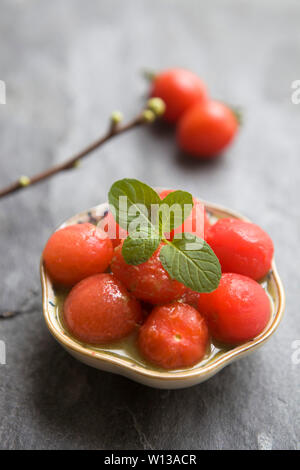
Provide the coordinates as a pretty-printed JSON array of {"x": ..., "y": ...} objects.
[{"x": 140, "y": 322}]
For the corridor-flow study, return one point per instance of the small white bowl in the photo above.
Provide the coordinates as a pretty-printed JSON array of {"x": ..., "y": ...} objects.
[{"x": 112, "y": 360}]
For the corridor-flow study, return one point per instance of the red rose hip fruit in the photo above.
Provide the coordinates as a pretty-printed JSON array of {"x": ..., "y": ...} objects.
[
  {"x": 75, "y": 252},
  {"x": 206, "y": 129},
  {"x": 179, "y": 89},
  {"x": 148, "y": 281},
  {"x": 237, "y": 311},
  {"x": 174, "y": 336},
  {"x": 100, "y": 310},
  {"x": 242, "y": 247}
]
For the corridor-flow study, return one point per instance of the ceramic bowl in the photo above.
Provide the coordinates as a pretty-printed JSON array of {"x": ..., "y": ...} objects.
[{"x": 116, "y": 360}]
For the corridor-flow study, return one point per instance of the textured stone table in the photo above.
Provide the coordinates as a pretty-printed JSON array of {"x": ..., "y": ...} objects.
[{"x": 67, "y": 65}]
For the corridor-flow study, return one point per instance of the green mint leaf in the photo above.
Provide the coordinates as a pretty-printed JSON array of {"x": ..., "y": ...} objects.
[
  {"x": 135, "y": 214},
  {"x": 138, "y": 250},
  {"x": 139, "y": 209},
  {"x": 192, "y": 262},
  {"x": 174, "y": 209}
]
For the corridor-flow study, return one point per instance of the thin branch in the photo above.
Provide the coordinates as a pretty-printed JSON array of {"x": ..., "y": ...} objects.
[{"x": 114, "y": 130}]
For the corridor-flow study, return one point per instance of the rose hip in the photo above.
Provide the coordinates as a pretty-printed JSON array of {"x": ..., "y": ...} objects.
[
  {"x": 237, "y": 311},
  {"x": 174, "y": 336},
  {"x": 148, "y": 281},
  {"x": 99, "y": 310},
  {"x": 242, "y": 247},
  {"x": 179, "y": 89},
  {"x": 206, "y": 129},
  {"x": 75, "y": 252}
]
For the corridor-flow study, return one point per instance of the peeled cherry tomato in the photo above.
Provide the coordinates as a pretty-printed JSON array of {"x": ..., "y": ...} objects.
[
  {"x": 174, "y": 336},
  {"x": 237, "y": 311},
  {"x": 197, "y": 220},
  {"x": 206, "y": 129},
  {"x": 179, "y": 89},
  {"x": 113, "y": 229},
  {"x": 148, "y": 281},
  {"x": 99, "y": 310},
  {"x": 75, "y": 252},
  {"x": 242, "y": 247}
]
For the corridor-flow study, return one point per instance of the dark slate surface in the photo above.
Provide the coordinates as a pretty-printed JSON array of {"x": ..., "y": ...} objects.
[{"x": 67, "y": 65}]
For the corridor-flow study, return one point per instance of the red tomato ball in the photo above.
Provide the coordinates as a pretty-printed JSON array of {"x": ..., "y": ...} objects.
[
  {"x": 148, "y": 281},
  {"x": 206, "y": 129},
  {"x": 242, "y": 247},
  {"x": 237, "y": 311},
  {"x": 75, "y": 252},
  {"x": 113, "y": 229},
  {"x": 100, "y": 310},
  {"x": 174, "y": 336},
  {"x": 179, "y": 89},
  {"x": 198, "y": 219}
]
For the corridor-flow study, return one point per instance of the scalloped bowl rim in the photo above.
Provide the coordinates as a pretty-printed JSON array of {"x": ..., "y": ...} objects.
[{"x": 134, "y": 369}]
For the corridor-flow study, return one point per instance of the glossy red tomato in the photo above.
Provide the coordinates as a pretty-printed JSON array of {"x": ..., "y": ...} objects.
[
  {"x": 237, "y": 311},
  {"x": 197, "y": 220},
  {"x": 75, "y": 252},
  {"x": 242, "y": 247},
  {"x": 148, "y": 281},
  {"x": 206, "y": 129},
  {"x": 99, "y": 310},
  {"x": 179, "y": 89},
  {"x": 174, "y": 336},
  {"x": 113, "y": 229}
]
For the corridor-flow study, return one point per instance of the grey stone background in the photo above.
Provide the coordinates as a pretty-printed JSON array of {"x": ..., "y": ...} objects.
[{"x": 67, "y": 65}]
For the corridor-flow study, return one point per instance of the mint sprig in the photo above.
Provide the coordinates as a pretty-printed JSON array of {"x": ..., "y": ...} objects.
[{"x": 146, "y": 217}]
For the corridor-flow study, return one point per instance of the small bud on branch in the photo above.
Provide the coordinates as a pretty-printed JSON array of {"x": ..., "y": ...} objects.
[
  {"x": 24, "y": 180},
  {"x": 116, "y": 117},
  {"x": 157, "y": 105},
  {"x": 77, "y": 163},
  {"x": 148, "y": 116}
]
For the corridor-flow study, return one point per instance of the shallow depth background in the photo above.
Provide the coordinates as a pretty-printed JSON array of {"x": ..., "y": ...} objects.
[{"x": 67, "y": 65}]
